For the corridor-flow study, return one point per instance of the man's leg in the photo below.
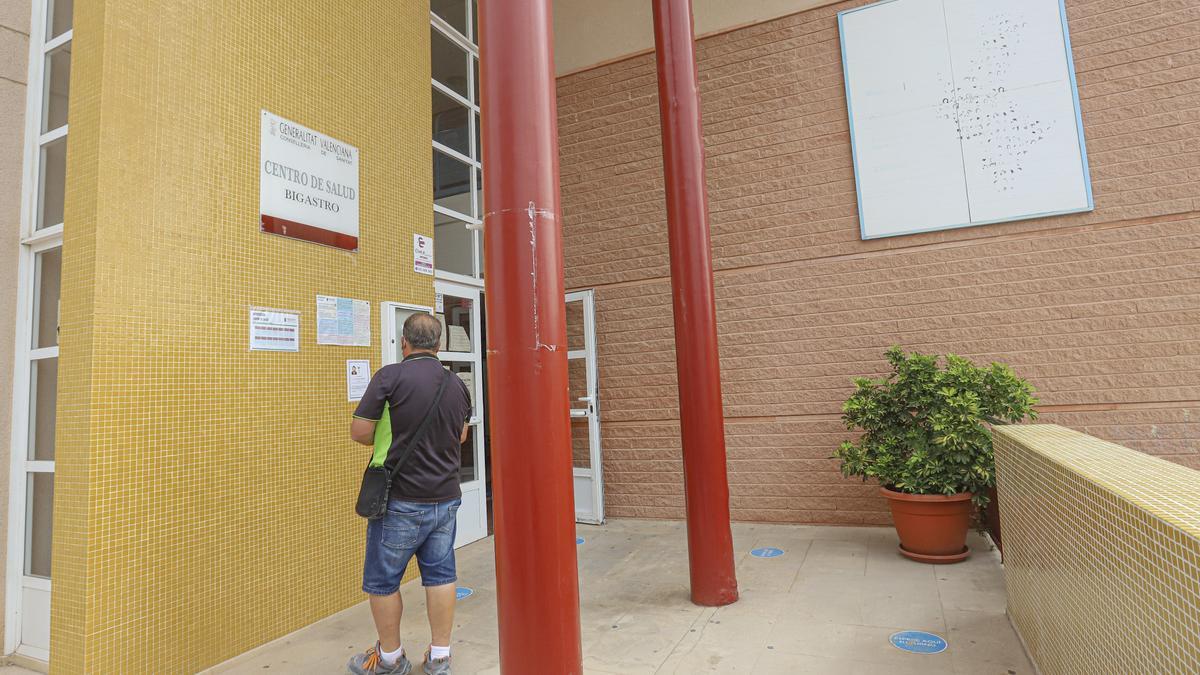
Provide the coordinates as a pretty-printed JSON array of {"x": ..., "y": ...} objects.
[
  {"x": 387, "y": 611},
  {"x": 440, "y": 602}
]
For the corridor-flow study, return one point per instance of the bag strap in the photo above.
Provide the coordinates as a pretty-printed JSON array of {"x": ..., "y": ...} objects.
[{"x": 419, "y": 434}]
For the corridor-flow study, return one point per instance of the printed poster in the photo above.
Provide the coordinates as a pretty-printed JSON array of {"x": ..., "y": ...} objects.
[
  {"x": 274, "y": 330},
  {"x": 358, "y": 376},
  {"x": 343, "y": 321}
]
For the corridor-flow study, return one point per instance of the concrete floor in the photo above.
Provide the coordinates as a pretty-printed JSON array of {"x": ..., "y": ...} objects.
[{"x": 827, "y": 605}]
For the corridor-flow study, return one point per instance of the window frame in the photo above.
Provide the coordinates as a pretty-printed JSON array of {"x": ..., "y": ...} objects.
[{"x": 32, "y": 242}]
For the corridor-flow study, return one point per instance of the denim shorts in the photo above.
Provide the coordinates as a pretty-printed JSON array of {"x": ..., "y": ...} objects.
[{"x": 408, "y": 528}]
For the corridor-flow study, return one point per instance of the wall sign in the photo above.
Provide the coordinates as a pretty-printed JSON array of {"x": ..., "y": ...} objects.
[
  {"x": 422, "y": 254},
  {"x": 308, "y": 184},
  {"x": 272, "y": 330},
  {"x": 962, "y": 112}
]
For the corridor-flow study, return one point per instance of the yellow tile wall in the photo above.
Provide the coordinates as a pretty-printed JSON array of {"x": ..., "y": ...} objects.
[
  {"x": 1101, "y": 553},
  {"x": 204, "y": 494}
]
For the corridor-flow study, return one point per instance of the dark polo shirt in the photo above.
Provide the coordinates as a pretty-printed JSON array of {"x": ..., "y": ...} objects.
[{"x": 403, "y": 391}]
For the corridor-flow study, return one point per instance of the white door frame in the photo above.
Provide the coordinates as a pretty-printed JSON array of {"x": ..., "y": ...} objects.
[
  {"x": 33, "y": 241},
  {"x": 591, "y": 478},
  {"x": 472, "y": 522}
]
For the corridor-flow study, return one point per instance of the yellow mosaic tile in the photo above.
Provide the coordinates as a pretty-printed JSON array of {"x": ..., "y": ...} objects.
[
  {"x": 1101, "y": 553},
  {"x": 204, "y": 494}
]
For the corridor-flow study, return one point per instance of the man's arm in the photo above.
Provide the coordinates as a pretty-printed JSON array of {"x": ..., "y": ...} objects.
[
  {"x": 461, "y": 439},
  {"x": 363, "y": 431}
]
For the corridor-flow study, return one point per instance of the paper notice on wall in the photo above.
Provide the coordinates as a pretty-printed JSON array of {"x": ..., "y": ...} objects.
[
  {"x": 468, "y": 379},
  {"x": 439, "y": 303},
  {"x": 422, "y": 254},
  {"x": 459, "y": 340},
  {"x": 274, "y": 331},
  {"x": 358, "y": 376},
  {"x": 343, "y": 321}
]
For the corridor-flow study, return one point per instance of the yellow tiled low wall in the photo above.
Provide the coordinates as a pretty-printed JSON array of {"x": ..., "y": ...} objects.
[{"x": 1101, "y": 553}]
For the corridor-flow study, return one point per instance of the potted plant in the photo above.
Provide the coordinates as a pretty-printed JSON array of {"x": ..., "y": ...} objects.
[{"x": 927, "y": 441}]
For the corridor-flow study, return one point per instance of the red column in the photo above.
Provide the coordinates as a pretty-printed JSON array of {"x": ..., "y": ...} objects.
[
  {"x": 701, "y": 419},
  {"x": 537, "y": 586}
]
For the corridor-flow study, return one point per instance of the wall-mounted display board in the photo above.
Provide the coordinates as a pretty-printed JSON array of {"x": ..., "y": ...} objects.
[{"x": 962, "y": 112}]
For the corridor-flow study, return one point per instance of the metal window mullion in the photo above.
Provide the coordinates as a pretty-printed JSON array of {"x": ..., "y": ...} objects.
[
  {"x": 43, "y": 353},
  {"x": 446, "y": 150},
  {"x": 52, "y": 135},
  {"x": 44, "y": 239},
  {"x": 39, "y": 466},
  {"x": 454, "y": 214},
  {"x": 452, "y": 34},
  {"x": 57, "y": 43},
  {"x": 459, "y": 98}
]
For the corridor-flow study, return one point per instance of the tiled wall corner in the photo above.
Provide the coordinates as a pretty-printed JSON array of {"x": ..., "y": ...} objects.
[
  {"x": 1101, "y": 553},
  {"x": 204, "y": 492}
]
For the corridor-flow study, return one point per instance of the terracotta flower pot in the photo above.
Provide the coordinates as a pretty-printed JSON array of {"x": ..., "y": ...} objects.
[{"x": 932, "y": 528}]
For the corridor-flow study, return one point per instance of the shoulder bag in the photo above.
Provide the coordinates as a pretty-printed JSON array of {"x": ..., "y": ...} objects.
[{"x": 377, "y": 480}]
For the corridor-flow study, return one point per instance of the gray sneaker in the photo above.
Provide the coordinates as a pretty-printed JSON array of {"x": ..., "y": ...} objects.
[
  {"x": 369, "y": 663},
  {"x": 436, "y": 666}
]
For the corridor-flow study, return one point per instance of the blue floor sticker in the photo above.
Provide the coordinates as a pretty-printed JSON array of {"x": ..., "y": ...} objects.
[
  {"x": 463, "y": 592},
  {"x": 918, "y": 642},
  {"x": 767, "y": 552},
  {"x": 579, "y": 541}
]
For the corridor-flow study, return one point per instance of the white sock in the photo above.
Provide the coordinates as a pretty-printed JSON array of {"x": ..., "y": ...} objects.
[
  {"x": 391, "y": 657},
  {"x": 436, "y": 653}
]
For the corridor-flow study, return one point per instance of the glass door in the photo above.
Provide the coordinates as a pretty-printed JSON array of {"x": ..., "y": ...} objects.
[
  {"x": 458, "y": 308},
  {"x": 583, "y": 386}
]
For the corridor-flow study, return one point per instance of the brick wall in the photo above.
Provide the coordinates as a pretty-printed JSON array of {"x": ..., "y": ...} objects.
[{"x": 1099, "y": 310}]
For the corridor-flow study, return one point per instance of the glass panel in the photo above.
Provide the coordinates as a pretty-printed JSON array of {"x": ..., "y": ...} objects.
[
  {"x": 479, "y": 253},
  {"x": 54, "y": 179},
  {"x": 475, "y": 66},
  {"x": 577, "y": 382},
  {"x": 43, "y": 402},
  {"x": 48, "y": 277},
  {"x": 457, "y": 318},
  {"x": 450, "y": 123},
  {"x": 449, "y": 62},
  {"x": 467, "y": 471},
  {"x": 451, "y": 183},
  {"x": 581, "y": 457},
  {"x": 575, "y": 325},
  {"x": 474, "y": 22},
  {"x": 478, "y": 156},
  {"x": 479, "y": 194},
  {"x": 453, "y": 11},
  {"x": 59, "y": 17},
  {"x": 452, "y": 245},
  {"x": 58, "y": 77},
  {"x": 39, "y": 517}
]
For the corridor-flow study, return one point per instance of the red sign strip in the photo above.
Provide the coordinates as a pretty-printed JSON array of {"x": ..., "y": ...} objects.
[{"x": 294, "y": 230}]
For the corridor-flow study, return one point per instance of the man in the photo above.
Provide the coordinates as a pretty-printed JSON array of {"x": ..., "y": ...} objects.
[{"x": 424, "y": 500}]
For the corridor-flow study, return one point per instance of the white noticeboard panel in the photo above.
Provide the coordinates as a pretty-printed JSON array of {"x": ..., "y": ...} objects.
[
  {"x": 962, "y": 112},
  {"x": 308, "y": 184}
]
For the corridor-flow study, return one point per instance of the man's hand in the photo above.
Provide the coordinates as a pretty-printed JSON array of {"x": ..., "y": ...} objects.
[{"x": 363, "y": 431}]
